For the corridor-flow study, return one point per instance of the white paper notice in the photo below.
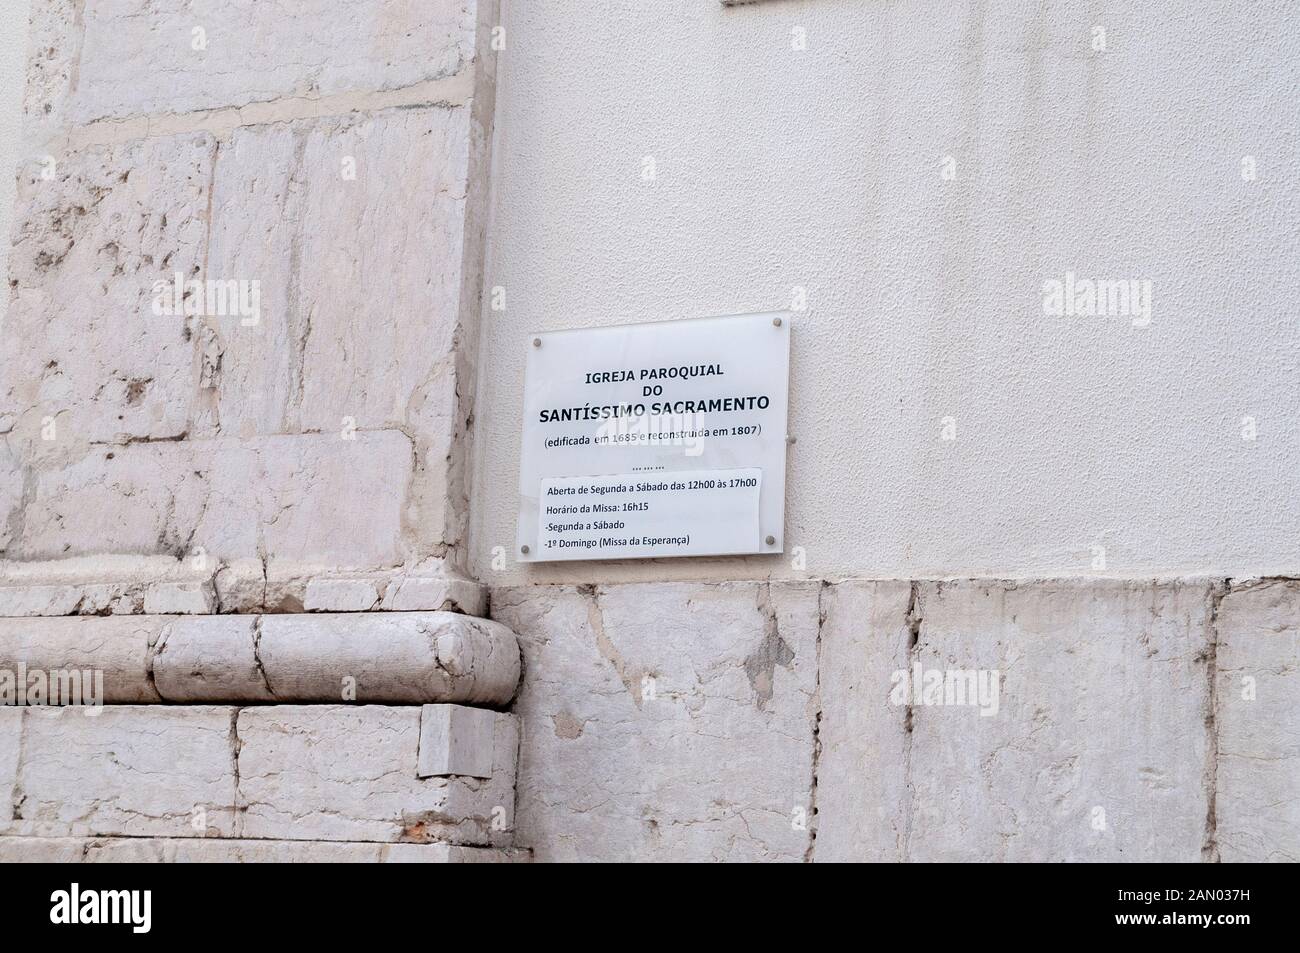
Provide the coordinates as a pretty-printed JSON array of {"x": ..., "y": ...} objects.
[{"x": 640, "y": 515}]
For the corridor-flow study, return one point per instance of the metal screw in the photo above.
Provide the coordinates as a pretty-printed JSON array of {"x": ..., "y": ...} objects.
[
  {"x": 771, "y": 541},
  {"x": 776, "y": 322},
  {"x": 791, "y": 439},
  {"x": 537, "y": 342},
  {"x": 524, "y": 550}
]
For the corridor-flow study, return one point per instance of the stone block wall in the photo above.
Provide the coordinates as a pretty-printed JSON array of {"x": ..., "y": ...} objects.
[
  {"x": 331, "y": 182},
  {"x": 242, "y": 321},
  {"x": 339, "y": 777},
  {"x": 1135, "y": 721}
]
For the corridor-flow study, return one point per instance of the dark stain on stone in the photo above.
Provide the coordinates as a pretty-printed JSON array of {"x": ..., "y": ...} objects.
[{"x": 761, "y": 664}]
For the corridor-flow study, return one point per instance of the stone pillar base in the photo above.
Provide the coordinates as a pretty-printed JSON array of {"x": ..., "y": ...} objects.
[
  {"x": 190, "y": 850},
  {"x": 208, "y": 781}
]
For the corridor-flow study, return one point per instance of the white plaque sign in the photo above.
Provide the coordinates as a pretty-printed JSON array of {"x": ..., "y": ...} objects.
[{"x": 651, "y": 440}]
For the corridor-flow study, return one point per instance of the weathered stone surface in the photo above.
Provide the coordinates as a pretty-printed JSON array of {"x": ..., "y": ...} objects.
[
  {"x": 1098, "y": 749},
  {"x": 11, "y": 735},
  {"x": 340, "y": 595},
  {"x": 128, "y": 770},
  {"x": 335, "y": 772},
  {"x": 12, "y": 484},
  {"x": 455, "y": 740},
  {"x": 1257, "y": 718},
  {"x": 322, "y": 358},
  {"x": 862, "y": 785},
  {"x": 97, "y": 585},
  {"x": 211, "y": 659},
  {"x": 390, "y": 657},
  {"x": 283, "y": 772},
  {"x": 88, "y": 360},
  {"x": 94, "y": 371},
  {"x": 665, "y": 721},
  {"x": 116, "y": 584},
  {"x": 248, "y": 586},
  {"x": 301, "y": 499},
  {"x": 407, "y": 593},
  {"x": 67, "y": 599},
  {"x": 54, "y": 42},
  {"x": 43, "y": 850},
  {"x": 121, "y": 647},
  {"x": 253, "y": 52},
  {"x": 397, "y": 657},
  {"x": 241, "y": 586},
  {"x": 179, "y": 598},
  {"x": 154, "y": 850},
  {"x": 323, "y": 354},
  {"x": 309, "y": 440}
]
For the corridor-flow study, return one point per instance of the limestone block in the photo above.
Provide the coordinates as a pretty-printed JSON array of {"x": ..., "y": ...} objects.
[
  {"x": 862, "y": 784},
  {"x": 43, "y": 850},
  {"x": 255, "y": 52},
  {"x": 128, "y": 770},
  {"x": 455, "y": 740},
  {"x": 280, "y": 772},
  {"x": 302, "y": 498},
  {"x": 1258, "y": 723},
  {"x": 11, "y": 740},
  {"x": 335, "y": 772},
  {"x": 410, "y": 657},
  {"x": 183, "y": 598},
  {"x": 54, "y": 45},
  {"x": 120, "y": 647},
  {"x": 666, "y": 721},
  {"x": 398, "y": 657},
  {"x": 323, "y": 358},
  {"x": 248, "y": 586},
  {"x": 96, "y": 585},
  {"x": 88, "y": 360},
  {"x": 12, "y": 482},
  {"x": 340, "y": 595},
  {"x": 241, "y": 585},
  {"x": 161, "y": 850},
  {"x": 423, "y": 592},
  {"x": 348, "y": 514},
  {"x": 47, "y": 600},
  {"x": 211, "y": 659},
  {"x": 1098, "y": 750},
  {"x": 105, "y": 584}
]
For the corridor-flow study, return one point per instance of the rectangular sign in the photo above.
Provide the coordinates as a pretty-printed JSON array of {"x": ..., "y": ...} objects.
[{"x": 652, "y": 440}]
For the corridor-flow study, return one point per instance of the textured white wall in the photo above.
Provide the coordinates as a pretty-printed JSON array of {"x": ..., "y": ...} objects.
[
  {"x": 13, "y": 53},
  {"x": 822, "y": 168}
]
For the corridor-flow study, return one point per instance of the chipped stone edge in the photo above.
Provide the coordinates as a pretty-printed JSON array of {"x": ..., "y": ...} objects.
[
  {"x": 162, "y": 585},
  {"x": 24, "y": 849}
]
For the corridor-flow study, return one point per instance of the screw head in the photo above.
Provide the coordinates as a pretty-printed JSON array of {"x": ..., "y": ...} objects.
[
  {"x": 537, "y": 342},
  {"x": 776, "y": 322},
  {"x": 771, "y": 541},
  {"x": 524, "y": 550}
]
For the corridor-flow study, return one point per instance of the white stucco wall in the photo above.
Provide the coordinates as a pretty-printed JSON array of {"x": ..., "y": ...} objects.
[
  {"x": 823, "y": 169},
  {"x": 13, "y": 52}
]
